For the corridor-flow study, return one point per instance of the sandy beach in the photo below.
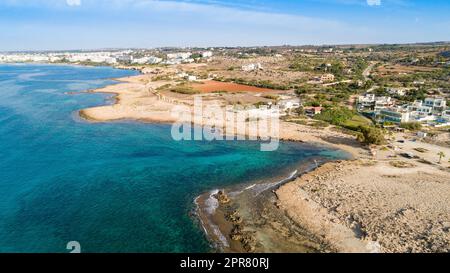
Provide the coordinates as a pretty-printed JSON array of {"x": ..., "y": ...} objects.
[
  {"x": 137, "y": 98},
  {"x": 383, "y": 204}
]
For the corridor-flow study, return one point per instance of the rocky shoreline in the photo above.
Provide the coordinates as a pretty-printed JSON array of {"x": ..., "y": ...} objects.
[{"x": 248, "y": 219}]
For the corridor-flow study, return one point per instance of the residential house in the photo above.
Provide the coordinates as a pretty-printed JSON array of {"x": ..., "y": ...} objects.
[
  {"x": 397, "y": 91},
  {"x": 395, "y": 115},
  {"x": 437, "y": 104},
  {"x": 370, "y": 102},
  {"x": 287, "y": 105},
  {"x": 312, "y": 111}
]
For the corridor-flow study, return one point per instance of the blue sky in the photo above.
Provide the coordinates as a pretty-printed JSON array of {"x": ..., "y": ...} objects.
[{"x": 89, "y": 24}]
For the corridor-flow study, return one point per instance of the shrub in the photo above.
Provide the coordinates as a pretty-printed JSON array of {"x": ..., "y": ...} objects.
[
  {"x": 412, "y": 126},
  {"x": 271, "y": 97},
  {"x": 336, "y": 115},
  {"x": 184, "y": 89},
  {"x": 371, "y": 135}
]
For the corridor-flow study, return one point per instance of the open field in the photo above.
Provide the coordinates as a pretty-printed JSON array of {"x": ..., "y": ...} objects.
[
  {"x": 403, "y": 69},
  {"x": 216, "y": 86}
]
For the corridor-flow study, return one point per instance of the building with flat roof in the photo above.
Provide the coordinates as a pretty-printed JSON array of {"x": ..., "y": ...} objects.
[{"x": 395, "y": 115}]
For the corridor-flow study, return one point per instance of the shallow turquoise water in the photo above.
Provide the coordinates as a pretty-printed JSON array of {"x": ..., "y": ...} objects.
[{"x": 114, "y": 187}]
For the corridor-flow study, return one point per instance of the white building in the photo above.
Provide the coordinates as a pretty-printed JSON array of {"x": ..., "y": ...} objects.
[
  {"x": 373, "y": 103},
  {"x": 287, "y": 105},
  {"x": 437, "y": 104},
  {"x": 124, "y": 58},
  {"x": 179, "y": 55},
  {"x": 263, "y": 112},
  {"x": 252, "y": 67},
  {"x": 191, "y": 78},
  {"x": 446, "y": 114},
  {"x": 207, "y": 54},
  {"x": 147, "y": 60},
  {"x": 396, "y": 115},
  {"x": 397, "y": 91}
]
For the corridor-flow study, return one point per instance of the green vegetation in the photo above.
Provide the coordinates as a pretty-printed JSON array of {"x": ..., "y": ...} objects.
[
  {"x": 336, "y": 116},
  {"x": 196, "y": 56},
  {"x": 258, "y": 83},
  {"x": 299, "y": 65},
  {"x": 271, "y": 97},
  {"x": 413, "y": 95},
  {"x": 412, "y": 126},
  {"x": 356, "y": 121},
  {"x": 441, "y": 155},
  {"x": 336, "y": 68},
  {"x": 161, "y": 78},
  {"x": 184, "y": 89},
  {"x": 371, "y": 135},
  {"x": 359, "y": 67},
  {"x": 350, "y": 120},
  {"x": 319, "y": 124},
  {"x": 164, "y": 87}
]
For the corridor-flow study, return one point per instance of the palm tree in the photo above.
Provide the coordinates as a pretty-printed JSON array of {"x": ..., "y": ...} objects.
[{"x": 441, "y": 155}]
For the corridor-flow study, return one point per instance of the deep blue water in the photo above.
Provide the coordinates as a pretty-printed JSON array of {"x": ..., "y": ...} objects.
[{"x": 114, "y": 187}]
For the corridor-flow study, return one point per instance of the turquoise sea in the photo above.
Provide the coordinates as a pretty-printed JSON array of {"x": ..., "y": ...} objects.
[{"x": 113, "y": 187}]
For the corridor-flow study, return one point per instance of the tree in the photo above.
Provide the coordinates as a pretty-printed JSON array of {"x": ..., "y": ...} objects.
[
  {"x": 371, "y": 135},
  {"x": 300, "y": 111},
  {"x": 336, "y": 115},
  {"x": 441, "y": 155},
  {"x": 300, "y": 91}
]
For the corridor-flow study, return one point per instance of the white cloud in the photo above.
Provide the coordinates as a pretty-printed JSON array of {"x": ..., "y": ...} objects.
[
  {"x": 374, "y": 2},
  {"x": 73, "y": 2}
]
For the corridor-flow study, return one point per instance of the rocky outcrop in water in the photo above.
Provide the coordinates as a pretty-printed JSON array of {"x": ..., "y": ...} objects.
[
  {"x": 247, "y": 238},
  {"x": 238, "y": 232},
  {"x": 223, "y": 198},
  {"x": 233, "y": 217}
]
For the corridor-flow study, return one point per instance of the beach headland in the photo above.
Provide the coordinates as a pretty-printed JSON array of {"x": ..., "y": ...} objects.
[{"x": 363, "y": 205}]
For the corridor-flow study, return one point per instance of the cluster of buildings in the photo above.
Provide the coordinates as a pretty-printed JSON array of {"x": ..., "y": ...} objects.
[
  {"x": 101, "y": 57},
  {"x": 186, "y": 57},
  {"x": 282, "y": 107},
  {"x": 432, "y": 111}
]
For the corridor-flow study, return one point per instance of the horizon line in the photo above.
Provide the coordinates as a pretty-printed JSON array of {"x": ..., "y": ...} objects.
[{"x": 234, "y": 46}]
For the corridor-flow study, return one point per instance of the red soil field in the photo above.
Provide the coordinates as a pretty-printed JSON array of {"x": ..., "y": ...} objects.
[{"x": 215, "y": 86}]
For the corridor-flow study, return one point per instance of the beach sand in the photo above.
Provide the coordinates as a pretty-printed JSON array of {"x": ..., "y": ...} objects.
[{"x": 373, "y": 206}]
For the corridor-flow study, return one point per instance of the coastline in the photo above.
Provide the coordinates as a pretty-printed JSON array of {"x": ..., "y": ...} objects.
[
  {"x": 135, "y": 100},
  {"x": 245, "y": 218},
  {"x": 298, "y": 213},
  {"x": 132, "y": 90}
]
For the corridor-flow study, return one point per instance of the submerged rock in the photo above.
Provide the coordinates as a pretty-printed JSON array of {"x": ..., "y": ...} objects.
[
  {"x": 223, "y": 198},
  {"x": 233, "y": 217}
]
